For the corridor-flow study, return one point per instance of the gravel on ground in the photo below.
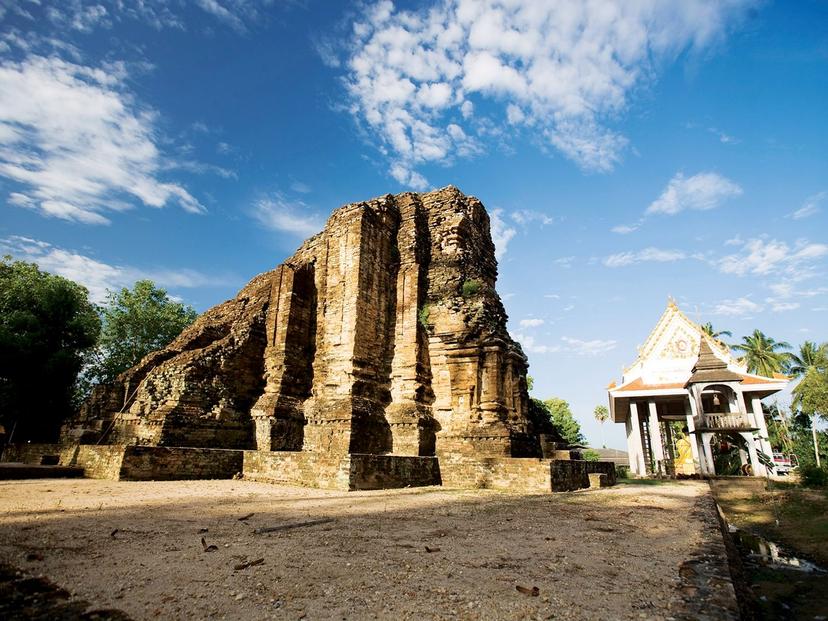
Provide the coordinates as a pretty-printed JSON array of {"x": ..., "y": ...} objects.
[{"x": 202, "y": 549}]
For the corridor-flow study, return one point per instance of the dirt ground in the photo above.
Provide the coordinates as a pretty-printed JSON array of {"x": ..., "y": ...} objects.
[{"x": 413, "y": 553}]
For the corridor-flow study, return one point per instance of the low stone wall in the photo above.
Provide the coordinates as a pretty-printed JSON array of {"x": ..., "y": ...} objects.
[
  {"x": 357, "y": 471},
  {"x": 29, "y": 453},
  {"x": 166, "y": 463},
  {"x": 350, "y": 472},
  {"x": 391, "y": 471},
  {"x": 304, "y": 469},
  {"x": 523, "y": 475},
  {"x": 98, "y": 461},
  {"x": 135, "y": 463}
]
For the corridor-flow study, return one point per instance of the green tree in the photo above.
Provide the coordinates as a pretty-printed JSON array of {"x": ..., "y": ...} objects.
[
  {"x": 47, "y": 324},
  {"x": 763, "y": 355},
  {"x": 710, "y": 331},
  {"x": 810, "y": 395},
  {"x": 564, "y": 421},
  {"x": 137, "y": 322},
  {"x": 601, "y": 414},
  {"x": 810, "y": 356}
]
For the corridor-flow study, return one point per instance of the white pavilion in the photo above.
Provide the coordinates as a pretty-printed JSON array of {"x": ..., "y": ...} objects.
[{"x": 683, "y": 375}]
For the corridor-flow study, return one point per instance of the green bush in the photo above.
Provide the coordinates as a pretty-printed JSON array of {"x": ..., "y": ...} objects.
[
  {"x": 470, "y": 288},
  {"x": 422, "y": 316},
  {"x": 590, "y": 455},
  {"x": 813, "y": 476},
  {"x": 622, "y": 472}
]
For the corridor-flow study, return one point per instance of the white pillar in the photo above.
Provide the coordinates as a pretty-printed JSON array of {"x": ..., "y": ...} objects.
[
  {"x": 709, "y": 465},
  {"x": 637, "y": 453},
  {"x": 655, "y": 437},
  {"x": 631, "y": 446},
  {"x": 759, "y": 419},
  {"x": 757, "y": 468},
  {"x": 693, "y": 437}
]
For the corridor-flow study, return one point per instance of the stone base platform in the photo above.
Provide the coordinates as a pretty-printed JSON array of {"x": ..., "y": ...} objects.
[
  {"x": 133, "y": 463},
  {"x": 356, "y": 471},
  {"x": 525, "y": 474}
]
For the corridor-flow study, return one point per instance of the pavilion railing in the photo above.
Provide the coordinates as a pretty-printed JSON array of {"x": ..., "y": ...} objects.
[{"x": 726, "y": 421}]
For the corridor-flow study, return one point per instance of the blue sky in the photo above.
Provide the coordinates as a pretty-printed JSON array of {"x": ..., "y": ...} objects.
[{"x": 627, "y": 151}]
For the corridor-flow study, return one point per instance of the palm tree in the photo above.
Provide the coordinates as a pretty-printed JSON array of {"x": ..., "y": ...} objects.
[
  {"x": 708, "y": 329},
  {"x": 763, "y": 355},
  {"x": 811, "y": 361},
  {"x": 810, "y": 356},
  {"x": 601, "y": 415}
]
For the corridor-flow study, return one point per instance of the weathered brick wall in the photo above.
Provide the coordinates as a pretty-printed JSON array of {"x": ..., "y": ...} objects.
[
  {"x": 98, "y": 462},
  {"x": 525, "y": 475},
  {"x": 300, "y": 468},
  {"x": 503, "y": 473},
  {"x": 29, "y": 453},
  {"x": 358, "y": 471},
  {"x": 166, "y": 463},
  {"x": 390, "y": 471}
]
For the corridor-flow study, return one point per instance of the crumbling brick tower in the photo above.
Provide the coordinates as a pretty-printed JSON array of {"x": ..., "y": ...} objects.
[{"x": 383, "y": 334}]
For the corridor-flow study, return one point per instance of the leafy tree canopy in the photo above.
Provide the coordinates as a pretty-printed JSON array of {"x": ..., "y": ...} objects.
[
  {"x": 810, "y": 395},
  {"x": 763, "y": 355},
  {"x": 710, "y": 331},
  {"x": 137, "y": 322},
  {"x": 601, "y": 413},
  {"x": 47, "y": 324},
  {"x": 810, "y": 356},
  {"x": 564, "y": 421}
]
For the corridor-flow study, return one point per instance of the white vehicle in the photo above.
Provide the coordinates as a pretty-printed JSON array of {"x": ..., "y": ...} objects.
[{"x": 784, "y": 464}]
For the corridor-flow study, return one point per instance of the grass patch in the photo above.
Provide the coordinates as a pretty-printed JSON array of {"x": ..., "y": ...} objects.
[
  {"x": 784, "y": 512},
  {"x": 423, "y": 315},
  {"x": 471, "y": 287}
]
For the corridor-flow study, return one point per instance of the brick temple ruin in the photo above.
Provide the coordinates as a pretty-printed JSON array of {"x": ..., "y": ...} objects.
[{"x": 376, "y": 356}]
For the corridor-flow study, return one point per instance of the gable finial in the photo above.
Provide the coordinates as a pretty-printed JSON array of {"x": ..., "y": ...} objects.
[{"x": 671, "y": 303}]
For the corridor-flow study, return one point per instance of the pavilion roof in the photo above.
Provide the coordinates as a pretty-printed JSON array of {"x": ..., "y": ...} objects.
[{"x": 710, "y": 368}]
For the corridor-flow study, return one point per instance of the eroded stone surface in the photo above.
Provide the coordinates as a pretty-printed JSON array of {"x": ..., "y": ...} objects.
[{"x": 383, "y": 334}]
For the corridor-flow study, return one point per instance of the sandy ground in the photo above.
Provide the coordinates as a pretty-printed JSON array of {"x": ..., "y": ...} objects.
[{"x": 414, "y": 553}]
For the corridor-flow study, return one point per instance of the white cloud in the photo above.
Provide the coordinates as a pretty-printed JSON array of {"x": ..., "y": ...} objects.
[
  {"x": 778, "y": 307},
  {"x": 565, "y": 262},
  {"x": 702, "y": 191},
  {"x": 531, "y": 323},
  {"x": 300, "y": 187},
  {"x": 501, "y": 233},
  {"x": 810, "y": 207},
  {"x": 787, "y": 290},
  {"x": 530, "y": 345},
  {"x": 86, "y": 15},
  {"x": 625, "y": 229},
  {"x": 527, "y": 216},
  {"x": 77, "y": 143},
  {"x": 222, "y": 12},
  {"x": 650, "y": 254},
  {"x": 97, "y": 276},
  {"x": 280, "y": 214},
  {"x": 572, "y": 345},
  {"x": 589, "y": 348},
  {"x": 736, "y": 308},
  {"x": 762, "y": 257},
  {"x": 563, "y": 68}
]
